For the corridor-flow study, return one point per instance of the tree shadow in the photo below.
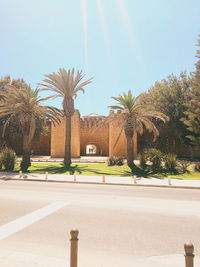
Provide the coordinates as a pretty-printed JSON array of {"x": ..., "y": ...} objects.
[
  {"x": 148, "y": 173},
  {"x": 60, "y": 169},
  {"x": 69, "y": 170},
  {"x": 86, "y": 170}
]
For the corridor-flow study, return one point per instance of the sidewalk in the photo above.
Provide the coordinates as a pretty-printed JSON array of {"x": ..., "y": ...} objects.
[
  {"x": 82, "y": 159},
  {"x": 108, "y": 180},
  {"x": 22, "y": 259}
]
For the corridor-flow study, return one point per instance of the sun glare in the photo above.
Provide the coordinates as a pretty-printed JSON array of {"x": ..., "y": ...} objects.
[
  {"x": 104, "y": 29},
  {"x": 84, "y": 7},
  {"x": 125, "y": 19},
  {"x": 129, "y": 28}
]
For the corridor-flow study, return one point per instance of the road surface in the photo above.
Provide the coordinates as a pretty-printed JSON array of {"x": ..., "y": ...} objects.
[{"x": 119, "y": 226}]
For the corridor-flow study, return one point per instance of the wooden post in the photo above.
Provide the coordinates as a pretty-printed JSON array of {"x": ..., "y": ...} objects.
[
  {"x": 74, "y": 248},
  {"x": 169, "y": 181},
  {"x": 103, "y": 179},
  {"x": 20, "y": 174},
  {"x": 189, "y": 256}
]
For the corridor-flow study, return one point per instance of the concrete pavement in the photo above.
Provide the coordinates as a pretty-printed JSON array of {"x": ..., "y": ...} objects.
[
  {"x": 19, "y": 259},
  {"x": 119, "y": 225}
]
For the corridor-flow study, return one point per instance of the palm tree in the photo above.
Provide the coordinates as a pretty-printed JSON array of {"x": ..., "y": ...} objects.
[
  {"x": 22, "y": 105},
  {"x": 66, "y": 84},
  {"x": 133, "y": 118}
]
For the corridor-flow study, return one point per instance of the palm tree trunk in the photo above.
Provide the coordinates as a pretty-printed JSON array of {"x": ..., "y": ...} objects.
[
  {"x": 130, "y": 156},
  {"x": 67, "y": 157},
  {"x": 26, "y": 161},
  {"x": 129, "y": 132}
]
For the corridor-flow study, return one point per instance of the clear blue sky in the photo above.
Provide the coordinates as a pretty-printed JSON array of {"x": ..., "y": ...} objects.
[{"x": 123, "y": 44}]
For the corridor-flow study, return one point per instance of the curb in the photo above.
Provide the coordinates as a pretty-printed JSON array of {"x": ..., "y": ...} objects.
[{"x": 97, "y": 183}]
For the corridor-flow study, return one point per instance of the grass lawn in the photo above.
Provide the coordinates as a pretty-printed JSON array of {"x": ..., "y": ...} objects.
[
  {"x": 103, "y": 169},
  {"x": 83, "y": 169}
]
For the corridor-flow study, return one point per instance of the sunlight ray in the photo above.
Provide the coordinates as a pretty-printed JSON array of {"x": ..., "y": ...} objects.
[
  {"x": 125, "y": 17},
  {"x": 104, "y": 29},
  {"x": 84, "y": 5}
]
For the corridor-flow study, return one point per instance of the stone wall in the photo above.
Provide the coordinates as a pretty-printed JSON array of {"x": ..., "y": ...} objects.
[
  {"x": 89, "y": 130},
  {"x": 43, "y": 146},
  {"x": 100, "y": 138},
  {"x": 58, "y": 137},
  {"x": 39, "y": 147},
  {"x": 117, "y": 141}
]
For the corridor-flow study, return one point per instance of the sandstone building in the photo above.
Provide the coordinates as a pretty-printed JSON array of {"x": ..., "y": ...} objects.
[{"x": 105, "y": 141}]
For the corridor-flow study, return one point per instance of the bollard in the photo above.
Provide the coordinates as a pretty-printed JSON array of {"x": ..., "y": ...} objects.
[
  {"x": 20, "y": 174},
  {"x": 46, "y": 175},
  {"x": 74, "y": 177},
  {"x": 135, "y": 179},
  {"x": 74, "y": 248},
  {"x": 189, "y": 256},
  {"x": 169, "y": 181},
  {"x": 103, "y": 179}
]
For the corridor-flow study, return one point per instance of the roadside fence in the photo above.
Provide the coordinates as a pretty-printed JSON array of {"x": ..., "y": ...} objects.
[{"x": 102, "y": 179}]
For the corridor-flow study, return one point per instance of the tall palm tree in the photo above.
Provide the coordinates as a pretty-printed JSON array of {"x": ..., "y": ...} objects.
[
  {"x": 22, "y": 105},
  {"x": 133, "y": 118},
  {"x": 66, "y": 84}
]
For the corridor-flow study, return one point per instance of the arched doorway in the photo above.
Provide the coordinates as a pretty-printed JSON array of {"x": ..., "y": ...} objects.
[{"x": 92, "y": 150}]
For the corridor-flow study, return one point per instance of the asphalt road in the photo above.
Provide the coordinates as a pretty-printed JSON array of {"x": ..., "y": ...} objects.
[{"x": 119, "y": 226}]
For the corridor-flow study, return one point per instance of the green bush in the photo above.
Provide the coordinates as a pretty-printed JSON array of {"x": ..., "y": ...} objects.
[
  {"x": 8, "y": 159},
  {"x": 155, "y": 157},
  {"x": 112, "y": 161},
  {"x": 197, "y": 166},
  {"x": 143, "y": 160},
  {"x": 1, "y": 164},
  {"x": 182, "y": 166},
  {"x": 170, "y": 161}
]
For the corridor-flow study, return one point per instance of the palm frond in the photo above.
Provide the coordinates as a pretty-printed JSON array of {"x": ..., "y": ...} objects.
[
  {"x": 65, "y": 84},
  {"x": 135, "y": 115}
]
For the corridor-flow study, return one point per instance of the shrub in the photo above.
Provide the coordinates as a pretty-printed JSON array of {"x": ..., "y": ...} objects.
[
  {"x": 182, "y": 166},
  {"x": 155, "y": 157},
  {"x": 170, "y": 161},
  {"x": 143, "y": 160},
  {"x": 112, "y": 161},
  {"x": 197, "y": 166},
  {"x": 8, "y": 158},
  {"x": 1, "y": 164}
]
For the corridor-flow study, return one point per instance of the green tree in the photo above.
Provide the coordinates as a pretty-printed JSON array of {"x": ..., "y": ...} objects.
[
  {"x": 134, "y": 118},
  {"x": 13, "y": 132},
  {"x": 22, "y": 106},
  {"x": 6, "y": 80},
  {"x": 169, "y": 97},
  {"x": 66, "y": 84},
  {"x": 192, "y": 113}
]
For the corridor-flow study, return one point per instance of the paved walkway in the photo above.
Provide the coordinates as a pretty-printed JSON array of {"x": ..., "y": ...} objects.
[
  {"x": 82, "y": 159},
  {"x": 21, "y": 259},
  {"x": 108, "y": 180}
]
